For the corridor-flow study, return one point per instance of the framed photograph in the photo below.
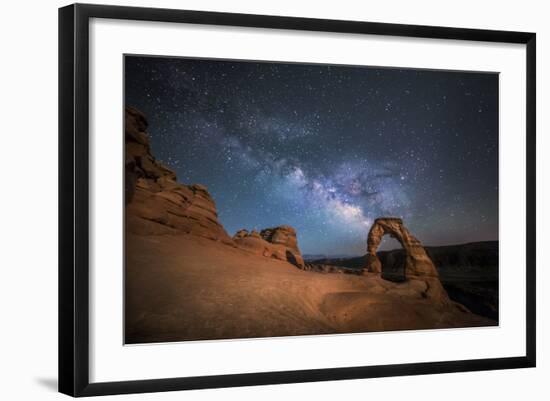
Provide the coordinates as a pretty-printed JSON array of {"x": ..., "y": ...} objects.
[{"x": 249, "y": 199}]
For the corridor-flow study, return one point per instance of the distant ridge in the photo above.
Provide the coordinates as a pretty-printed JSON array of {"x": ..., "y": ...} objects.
[{"x": 311, "y": 257}]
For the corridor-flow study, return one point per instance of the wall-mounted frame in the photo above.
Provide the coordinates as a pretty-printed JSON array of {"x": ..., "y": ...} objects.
[{"x": 96, "y": 43}]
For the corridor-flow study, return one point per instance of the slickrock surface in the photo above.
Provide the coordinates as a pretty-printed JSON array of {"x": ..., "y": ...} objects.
[{"x": 187, "y": 287}]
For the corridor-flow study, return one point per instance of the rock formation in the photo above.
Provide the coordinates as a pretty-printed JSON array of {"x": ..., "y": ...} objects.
[
  {"x": 418, "y": 265},
  {"x": 417, "y": 262},
  {"x": 155, "y": 202},
  {"x": 276, "y": 242}
]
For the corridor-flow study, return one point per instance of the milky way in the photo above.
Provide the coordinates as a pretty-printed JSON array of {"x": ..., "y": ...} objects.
[{"x": 327, "y": 149}]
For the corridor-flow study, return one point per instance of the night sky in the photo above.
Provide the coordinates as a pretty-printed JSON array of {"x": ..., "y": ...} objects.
[{"x": 327, "y": 149}]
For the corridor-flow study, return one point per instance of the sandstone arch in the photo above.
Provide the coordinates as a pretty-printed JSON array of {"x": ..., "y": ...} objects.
[{"x": 417, "y": 262}]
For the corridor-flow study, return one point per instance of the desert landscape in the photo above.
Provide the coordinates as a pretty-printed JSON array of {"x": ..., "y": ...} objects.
[{"x": 187, "y": 278}]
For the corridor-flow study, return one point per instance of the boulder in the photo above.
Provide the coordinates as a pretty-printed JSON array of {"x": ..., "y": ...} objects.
[
  {"x": 276, "y": 242},
  {"x": 284, "y": 235}
]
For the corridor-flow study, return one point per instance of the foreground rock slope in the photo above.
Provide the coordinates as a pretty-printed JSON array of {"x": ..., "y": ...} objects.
[{"x": 187, "y": 287}]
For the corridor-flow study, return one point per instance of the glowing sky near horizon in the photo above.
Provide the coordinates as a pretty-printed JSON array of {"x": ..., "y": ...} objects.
[{"x": 327, "y": 149}]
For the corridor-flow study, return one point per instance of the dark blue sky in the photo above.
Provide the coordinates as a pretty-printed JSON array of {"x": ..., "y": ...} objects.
[{"x": 327, "y": 149}]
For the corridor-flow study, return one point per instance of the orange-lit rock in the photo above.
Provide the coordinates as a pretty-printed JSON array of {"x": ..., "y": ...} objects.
[
  {"x": 155, "y": 202},
  {"x": 276, "y": 242},
  {"x": 418, "y": 265},
  {"x": 417, "y": 262}
]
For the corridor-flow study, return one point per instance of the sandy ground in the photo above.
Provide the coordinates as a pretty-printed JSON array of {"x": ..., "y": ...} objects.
[{"x": 184, "y": 287}]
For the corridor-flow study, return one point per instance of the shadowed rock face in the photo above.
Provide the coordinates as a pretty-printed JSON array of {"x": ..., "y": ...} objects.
[
  {"x": 155, "y": 202},
  {"x": 139, "y": 162},
  {"x": 276, "y": 242},
  {"x": 417, "y": 262}
]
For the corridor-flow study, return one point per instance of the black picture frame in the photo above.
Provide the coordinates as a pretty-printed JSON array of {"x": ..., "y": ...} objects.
[{"x": 74, "y": 199}]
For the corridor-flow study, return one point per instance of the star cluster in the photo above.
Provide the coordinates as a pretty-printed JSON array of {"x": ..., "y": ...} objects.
[{"x": 327, "y": 149}]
